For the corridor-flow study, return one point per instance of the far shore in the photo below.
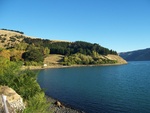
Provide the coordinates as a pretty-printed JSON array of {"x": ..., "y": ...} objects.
[{"x": 62, "y": 66}]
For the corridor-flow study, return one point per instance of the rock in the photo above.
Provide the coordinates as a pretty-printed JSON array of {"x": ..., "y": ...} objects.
[
  {"x": 63, "y": 109},
  {"x": 58, "y": 104},
  {"x": 14, "y": 101}
]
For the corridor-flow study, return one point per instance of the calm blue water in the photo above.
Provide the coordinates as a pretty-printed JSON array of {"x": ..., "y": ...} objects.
[{"x": 101, "y": 89}]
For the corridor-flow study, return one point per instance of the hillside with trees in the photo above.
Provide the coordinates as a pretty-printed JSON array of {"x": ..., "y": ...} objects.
[
  {"x": 15, "y": 46},
  {"x": 68, "y": 48}
]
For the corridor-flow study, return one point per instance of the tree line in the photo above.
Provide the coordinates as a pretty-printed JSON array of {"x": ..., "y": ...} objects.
[
  {"x": 14, "y": 31},
  {"x": 69, "y": 48}
]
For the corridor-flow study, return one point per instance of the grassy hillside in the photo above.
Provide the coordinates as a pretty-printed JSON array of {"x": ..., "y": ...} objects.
[
  {"x": 16, "y": 46},
  {"x": 9, "y": 38}
]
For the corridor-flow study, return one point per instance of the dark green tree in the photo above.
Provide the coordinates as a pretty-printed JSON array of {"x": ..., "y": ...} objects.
[{"x": 34, "y": 54}]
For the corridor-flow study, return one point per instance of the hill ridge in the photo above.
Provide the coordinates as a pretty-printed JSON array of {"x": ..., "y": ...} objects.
[{"x": 136, "y": 55}]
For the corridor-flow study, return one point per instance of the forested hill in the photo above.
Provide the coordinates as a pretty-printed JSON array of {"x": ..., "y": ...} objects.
[
  {"x": 16, "y": 46},
  {"x": 138, "y": 55},
  {"x": 10, "y": 39},
  {"x": 68, "y": 48}
]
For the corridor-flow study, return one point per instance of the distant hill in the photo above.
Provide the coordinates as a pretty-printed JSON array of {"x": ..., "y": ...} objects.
[{"x": 138, "y": 55}]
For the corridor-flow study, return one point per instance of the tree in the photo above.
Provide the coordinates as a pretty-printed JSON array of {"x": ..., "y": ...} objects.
[
  {"x": 21, "y": 46},
  {"x": 33, "y": 55},
  {"x": 16, "y": 55},
  {"x": 46, "y": 52},
  {"x": 95, "y": 54}
]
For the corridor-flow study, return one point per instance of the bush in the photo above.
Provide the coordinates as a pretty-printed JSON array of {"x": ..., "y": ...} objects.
[
  {"x": 25, "y": 84},
  {"x": 33, "y": 55},
  {"x": 82, "y": 59},
  {"x": 32, "y": 63}
]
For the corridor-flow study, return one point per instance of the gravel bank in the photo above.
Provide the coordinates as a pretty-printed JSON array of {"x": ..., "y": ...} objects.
[{"x": 63, "y": 109}]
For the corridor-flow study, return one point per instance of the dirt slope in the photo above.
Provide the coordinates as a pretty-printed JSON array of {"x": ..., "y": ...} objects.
[
  {"x": 117, "y": 58},
  {"x": 53, "y": 59}
]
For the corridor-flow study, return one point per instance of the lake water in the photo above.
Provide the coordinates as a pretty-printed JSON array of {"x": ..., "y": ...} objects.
[{"x": 101, "y": 89}]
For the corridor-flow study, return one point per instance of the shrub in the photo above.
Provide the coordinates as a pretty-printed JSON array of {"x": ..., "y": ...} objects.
[{"x": 25, "y": 84}]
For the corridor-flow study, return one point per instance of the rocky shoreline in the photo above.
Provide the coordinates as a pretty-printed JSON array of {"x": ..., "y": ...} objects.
[{"x": 58, "y": 107}]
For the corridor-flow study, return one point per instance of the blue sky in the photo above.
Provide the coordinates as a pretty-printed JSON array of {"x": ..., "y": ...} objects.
[{"x": 121, "y": 25}]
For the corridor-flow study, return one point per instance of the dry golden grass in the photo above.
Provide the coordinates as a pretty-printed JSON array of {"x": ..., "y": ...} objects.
[
  {"x": 6, "y": 37},
  {"x": 53, "y": 59},
  {"x": 117, "y": 58},
  {"x": 9, "y": 33}
]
